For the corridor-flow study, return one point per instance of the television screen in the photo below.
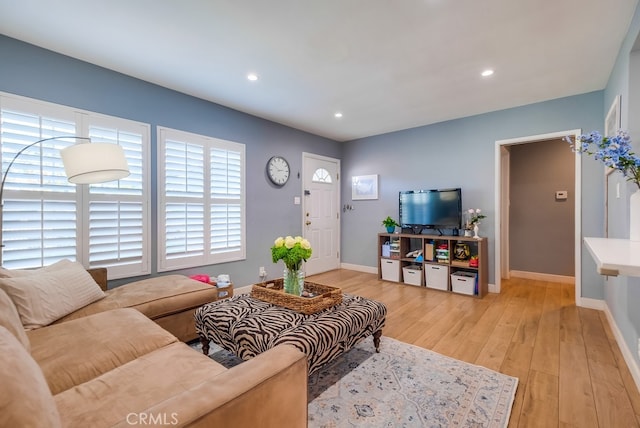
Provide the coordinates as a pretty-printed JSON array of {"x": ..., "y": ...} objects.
[{"x": 431, "y": 209}]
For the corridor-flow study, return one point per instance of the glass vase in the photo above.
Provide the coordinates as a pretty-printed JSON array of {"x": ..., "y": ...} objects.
[{"x": 293, "y": 281}]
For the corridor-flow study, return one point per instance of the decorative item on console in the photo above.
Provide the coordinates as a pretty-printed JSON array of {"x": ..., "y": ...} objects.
[
  {"x": 461, "y": 251},
  {"x": 473, "y": 220},
  {"x": 474, "y": 261},
  {"x": 615, "y": 152},
  {"x": 390, "y": 224},
  {"x": 292, "y": 251},
  {"x": 442, "y": 253}
]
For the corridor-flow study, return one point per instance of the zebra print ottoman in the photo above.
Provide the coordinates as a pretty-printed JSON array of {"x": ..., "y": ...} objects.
[{"x": 247, "y": 327}]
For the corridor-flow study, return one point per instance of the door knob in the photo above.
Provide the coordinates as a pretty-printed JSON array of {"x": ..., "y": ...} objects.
[{"x": 307, "y": 222}]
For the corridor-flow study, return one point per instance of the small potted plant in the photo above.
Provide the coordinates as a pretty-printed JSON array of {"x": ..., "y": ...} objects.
[{"x": 390, "y": 224}]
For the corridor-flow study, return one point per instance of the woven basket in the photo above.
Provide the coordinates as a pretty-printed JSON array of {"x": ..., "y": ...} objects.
[{"x": 272, "y": 292}]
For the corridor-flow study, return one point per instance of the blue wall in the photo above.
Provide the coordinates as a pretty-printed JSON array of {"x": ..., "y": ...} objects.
[
  {"x": 461, "y": 153},
  {"x": 37, "y": 73},
  {"x": 622, "y": 294}
]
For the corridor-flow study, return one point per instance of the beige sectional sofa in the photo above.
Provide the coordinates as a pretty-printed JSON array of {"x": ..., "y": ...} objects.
[
  {"x": 108, "y": 365},
  {"x": 169, "y": 300}
]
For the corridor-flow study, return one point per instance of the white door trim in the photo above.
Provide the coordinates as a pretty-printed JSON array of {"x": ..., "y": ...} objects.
[
  {"x": 575, "y": 133},
  {"x": 505, "y": 202}
]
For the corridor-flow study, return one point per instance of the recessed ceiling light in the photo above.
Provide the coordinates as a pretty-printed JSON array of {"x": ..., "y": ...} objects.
[
  {"x": 252, "y": 76},
  {"x": 487, "y": 73},
  {"x": 337, "y": 115}
]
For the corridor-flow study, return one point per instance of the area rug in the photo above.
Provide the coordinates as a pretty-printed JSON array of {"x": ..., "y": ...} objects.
[{"x": 403, "y": 386}]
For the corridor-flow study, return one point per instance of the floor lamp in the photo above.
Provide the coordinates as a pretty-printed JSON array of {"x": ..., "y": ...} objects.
[{"x": 84, "y": 163}]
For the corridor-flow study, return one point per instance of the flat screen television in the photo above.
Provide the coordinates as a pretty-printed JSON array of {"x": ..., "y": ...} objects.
[{"x": 431, "y": 209}]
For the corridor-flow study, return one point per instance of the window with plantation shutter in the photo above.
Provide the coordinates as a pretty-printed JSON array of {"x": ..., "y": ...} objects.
[
  {"x": 46, "y": 218},
  {"x": 201, "y": 212},
  {"x": 118, "y": 211}
]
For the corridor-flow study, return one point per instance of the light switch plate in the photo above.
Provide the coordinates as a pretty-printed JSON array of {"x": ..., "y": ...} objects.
[{"x": 561, "y": 195}]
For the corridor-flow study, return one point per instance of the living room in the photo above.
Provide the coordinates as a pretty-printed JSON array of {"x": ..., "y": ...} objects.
[{"x": 407, "y": 159}]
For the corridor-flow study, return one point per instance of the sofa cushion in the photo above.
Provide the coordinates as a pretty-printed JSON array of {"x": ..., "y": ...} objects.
[
  {"x": 42, "y": 298},
  {"x": 10, "y": 319},
  {"x": 100, "y": 342},
  {"x": 136, "y": 386},
  {"x": 155, "y": 297},
  {"x": 269, "y": 390},
  {"x": 25, "y": 398}
]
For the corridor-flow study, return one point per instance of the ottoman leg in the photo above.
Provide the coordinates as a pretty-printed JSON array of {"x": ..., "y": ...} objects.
[
  {"x": 376, "y": 340},
  {"x": 205, "y": 345}
]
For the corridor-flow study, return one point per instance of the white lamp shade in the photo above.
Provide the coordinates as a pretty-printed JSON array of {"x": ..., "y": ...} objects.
[{"x": 89, "y": 163}]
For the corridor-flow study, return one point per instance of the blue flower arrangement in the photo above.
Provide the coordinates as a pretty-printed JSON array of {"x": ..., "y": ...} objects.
[{"x": 615, "y": 152}]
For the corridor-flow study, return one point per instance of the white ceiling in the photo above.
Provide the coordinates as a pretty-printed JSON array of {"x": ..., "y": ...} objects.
[{"x": 385, "y": 64}]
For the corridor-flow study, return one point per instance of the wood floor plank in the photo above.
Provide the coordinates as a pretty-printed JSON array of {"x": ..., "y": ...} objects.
[
  {"x": 608, "y": 388},
  {"x": 577, "y": 405},
  {"x": 527, "y": 330},
  {"x": 625, "y": 374},
  {"x": 546, "y": 353},
  {"x": 459, "y": 333},
  {"x": 495, "y": 350},
  {"x": 516, "y": 363},
  {"x": 592, "y": 328},
  {"x": 571, "y": 371},
  {"x": 570, "y": 327},
  {"x": 540, "y": 405}
]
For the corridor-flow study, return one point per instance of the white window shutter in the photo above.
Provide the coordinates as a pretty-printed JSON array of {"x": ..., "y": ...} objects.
[
  {"x": 118, "y": 214},
  {"x": 201, "y": 194},
  {"x": 38, "y": 232},
  {"x": 46, "y": 218},
  {"x": 39, "y": 213}
]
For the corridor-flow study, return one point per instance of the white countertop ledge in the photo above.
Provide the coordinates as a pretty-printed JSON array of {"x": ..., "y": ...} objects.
[{"x": 615, "y": 256}]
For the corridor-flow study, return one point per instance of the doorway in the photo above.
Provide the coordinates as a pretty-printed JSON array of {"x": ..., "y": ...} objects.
[
  {"x": 320, "y": 211},
  {"x": 502, "y": 205}
]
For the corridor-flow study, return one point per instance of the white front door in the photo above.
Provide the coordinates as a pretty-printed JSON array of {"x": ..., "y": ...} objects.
[{"x": 321, "y": 211}]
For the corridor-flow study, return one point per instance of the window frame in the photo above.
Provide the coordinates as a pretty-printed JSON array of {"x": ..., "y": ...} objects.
[
  {"x": 81, "y": 196},
  {"x": 208, "y": 256}
]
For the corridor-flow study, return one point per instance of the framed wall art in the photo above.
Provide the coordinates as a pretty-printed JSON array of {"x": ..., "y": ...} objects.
[{"x": 364, "y": 187}]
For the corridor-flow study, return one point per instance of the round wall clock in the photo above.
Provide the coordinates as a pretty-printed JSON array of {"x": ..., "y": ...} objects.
[{"x": 278, "y": 170}]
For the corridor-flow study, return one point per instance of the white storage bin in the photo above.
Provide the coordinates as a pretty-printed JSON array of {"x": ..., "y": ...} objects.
[
  {"x": 390, "y": 270},
  {"x": 436, "y": 276},
  {"x": 412, "y": 275},
  {"x": 464, "y": 282}
]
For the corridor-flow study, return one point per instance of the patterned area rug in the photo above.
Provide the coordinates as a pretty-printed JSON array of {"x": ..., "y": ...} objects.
[{"x": 402, "y": 386}]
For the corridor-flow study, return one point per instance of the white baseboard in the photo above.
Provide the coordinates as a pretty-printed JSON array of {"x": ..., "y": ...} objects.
[
  {"x": 359, "y": 268},
  {"x": 493, "y": 288},
  {"x": 542, "y": 276},
  {"x": 585, "y": 302},
  {"x": 626, "y": 352}
]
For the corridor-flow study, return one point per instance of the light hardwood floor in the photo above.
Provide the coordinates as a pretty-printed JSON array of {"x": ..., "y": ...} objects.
[{"x": 571, "y": 372}]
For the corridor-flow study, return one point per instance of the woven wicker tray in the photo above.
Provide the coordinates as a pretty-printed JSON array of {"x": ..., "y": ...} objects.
[{"x": 272, "y": 292}]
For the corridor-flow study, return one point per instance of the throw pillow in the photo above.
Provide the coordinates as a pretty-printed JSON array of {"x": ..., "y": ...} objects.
[
  {"x": 25, "y": 398},
  {"x": 12, "y": 273},
  {"x": 10, "y": 319},
  {"x": 43, "y": 298}
]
